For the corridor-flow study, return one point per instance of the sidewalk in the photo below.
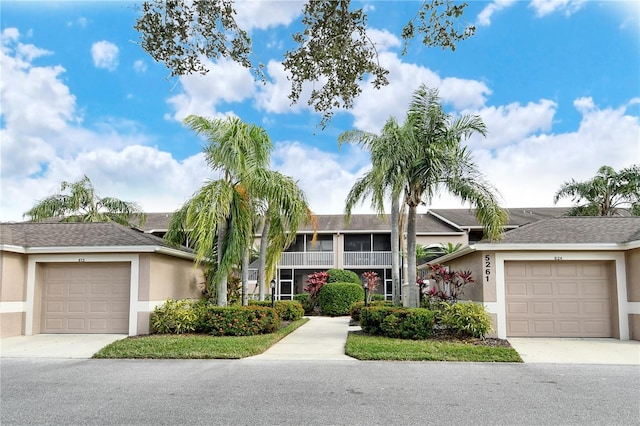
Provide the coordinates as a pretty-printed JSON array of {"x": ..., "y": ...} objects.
[{"x": 322, "y": 338}]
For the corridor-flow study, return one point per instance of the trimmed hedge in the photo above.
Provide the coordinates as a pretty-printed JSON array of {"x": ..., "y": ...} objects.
[
  {"x": 241, "y": 320},
  {"x": 289, "y": 310},
  {"x": 356, "y": 307},
  {"x": 305, "y": 300},
  {"x": 336, "y": 298},
  {"x": 343, "y": 276},
  {"x": 396, "y": 322}
]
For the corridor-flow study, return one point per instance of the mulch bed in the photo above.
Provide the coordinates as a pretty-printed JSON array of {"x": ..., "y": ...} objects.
[{"x": 445, "y": 337}]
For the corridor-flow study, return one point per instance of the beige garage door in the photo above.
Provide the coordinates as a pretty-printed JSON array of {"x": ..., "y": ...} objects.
[
  {"x": 558, "y": 299},
  {"x": 85, "y": 298}
]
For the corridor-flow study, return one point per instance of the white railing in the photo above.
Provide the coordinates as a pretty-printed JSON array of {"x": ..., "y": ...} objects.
[
  {"x": 367, "y": 258},
  {"x": 320, "y": 258}
]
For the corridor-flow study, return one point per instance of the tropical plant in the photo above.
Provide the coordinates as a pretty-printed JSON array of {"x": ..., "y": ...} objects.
[
  {"x": 371, "y": 281},
  {"x": 315, "y": 282},
  {"x": 608, "y": 193},
  {"x": 445, "y": 284},
  {"x": 334, "y": 50},
  {"x": 418, "y": 159},
  {"x": 78, "y": 202},
  {"x": 219, "y": 219}
]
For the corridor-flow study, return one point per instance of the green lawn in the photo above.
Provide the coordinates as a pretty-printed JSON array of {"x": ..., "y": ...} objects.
[
  {"x": 194, "y": 346},
  {"x": 366, "y": 347}
]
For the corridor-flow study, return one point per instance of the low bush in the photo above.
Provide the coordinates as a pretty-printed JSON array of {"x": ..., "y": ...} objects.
[
  {"x": 289, "y": 310},
  {"x": 305, "y": 300},
  {"x": 356, "y": 307},
  {"x": 466, "y": 319},
  {"x": 178, "y": 316},
  {"x": 343, "y": 276},
  {"x": 241, "y": 320},
  {"x": 416, "y": 323},
  {"x": 377, "y": 297},
  {"x": 371, "y": 317},
  {"x": 336, "y": 298}
]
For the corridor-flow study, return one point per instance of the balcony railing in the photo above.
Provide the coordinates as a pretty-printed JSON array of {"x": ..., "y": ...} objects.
[
  {"x": 324, "y": 258},
  {"x": 367, "y": 258}
]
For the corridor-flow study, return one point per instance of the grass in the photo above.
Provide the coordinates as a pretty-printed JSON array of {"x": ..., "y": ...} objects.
[
  {"x": 368, "y": 347},
  {"x": 194, "y": 346}
]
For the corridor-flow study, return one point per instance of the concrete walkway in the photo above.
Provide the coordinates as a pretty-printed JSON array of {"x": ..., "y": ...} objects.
[{"x": 322, "y": 338}]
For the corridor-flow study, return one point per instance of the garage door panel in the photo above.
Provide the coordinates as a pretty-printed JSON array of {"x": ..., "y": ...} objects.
[
  {"x": 86, "y": 298},
  {"x": 571, "y": 300}
]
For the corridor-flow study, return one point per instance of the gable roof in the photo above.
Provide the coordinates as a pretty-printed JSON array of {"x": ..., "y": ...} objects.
[
  {"x": 61, "y": 236},
  {"x": 466, "y": 218}
]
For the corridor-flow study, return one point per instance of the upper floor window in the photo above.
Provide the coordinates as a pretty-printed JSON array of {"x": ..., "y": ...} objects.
[
  {"x": 357, "y": 242},
  {"x": 322, "y": 243},
  {"x": 381, "y": 242}
]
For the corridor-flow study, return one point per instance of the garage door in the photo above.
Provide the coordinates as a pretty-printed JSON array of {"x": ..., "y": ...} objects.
[
  {"x": 85, "y": 298},
  {"x": 558, "y": 299}
]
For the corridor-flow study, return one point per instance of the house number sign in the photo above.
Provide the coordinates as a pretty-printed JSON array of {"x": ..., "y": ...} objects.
[{"x": 487, "y": 267}]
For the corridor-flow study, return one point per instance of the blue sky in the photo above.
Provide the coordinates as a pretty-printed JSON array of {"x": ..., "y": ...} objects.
[{"x": 556, "y": 81}]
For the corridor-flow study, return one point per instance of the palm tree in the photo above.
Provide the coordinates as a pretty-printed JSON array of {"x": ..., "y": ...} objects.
[
  {"x": 380, "y": 182},
  {"x": 433, "y": 159},
  {"x": 81, "y": 204},
  {"x": 219, "y": 218},
  {"x": 607, "y": 194}
]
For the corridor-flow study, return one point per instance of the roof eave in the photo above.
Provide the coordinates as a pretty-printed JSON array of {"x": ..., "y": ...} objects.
[{"x": 108, "y": 249}]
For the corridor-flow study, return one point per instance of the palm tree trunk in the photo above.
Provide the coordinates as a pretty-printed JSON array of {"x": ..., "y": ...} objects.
[
  {"x": 262, "y": 260},
  {"x": 395, "y": 251},
  {"x": 411, "y": 299},
  {"x": 245, "y": 277},
  {"x": 222, "y": 284}
]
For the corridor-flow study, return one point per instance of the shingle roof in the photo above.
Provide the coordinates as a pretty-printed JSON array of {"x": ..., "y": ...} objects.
[
  {"x": 577, "y": 230},
  {"x": 371, "y": 222},
  {"x": 103, "y": 234},
  {"x": 466, "y": 218},
  {"x": 332, "y": 223}
]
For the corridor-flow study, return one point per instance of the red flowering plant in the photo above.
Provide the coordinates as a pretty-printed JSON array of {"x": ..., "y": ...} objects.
[
  {"x": 372, "y": 284},
  {"x": 315, "y": 282},
  {"x": 444, "y": 284}
]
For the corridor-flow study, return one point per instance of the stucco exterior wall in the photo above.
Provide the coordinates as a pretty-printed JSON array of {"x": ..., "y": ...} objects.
[
  {"x": 634, "y": 326},
  {"x": 633, "y": 275},
  {"x": 13, "y": 277},
  {"x": 12, "y": 324},
  {"x": 169, "y": 278},
  {"x": 473, "y": 263}
]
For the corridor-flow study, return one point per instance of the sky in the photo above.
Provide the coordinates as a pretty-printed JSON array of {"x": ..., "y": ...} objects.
[{"x": 557, "y": 83}]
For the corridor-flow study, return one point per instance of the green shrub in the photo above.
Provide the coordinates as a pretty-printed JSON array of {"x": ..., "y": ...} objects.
[
  {"x": 343, "y": 276},
  {"x": 375, "y": 297},
  {"x": 241, "y": 320},
  {"x": 371, "y": 317},
  {"x": 289, "y": 310},
  {"x": 415, "y": 324},
  {"x": 178, "y": 316},
  {"x": 466, "y": 319},
  {"x": 336, "y": 298},
  {"x": 305, "y": 300},
  {"x": 356, "y": 307}
]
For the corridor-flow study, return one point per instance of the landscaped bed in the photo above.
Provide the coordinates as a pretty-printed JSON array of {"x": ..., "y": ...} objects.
[
  {"x": 195, "y": 346},
  {"x": 364, "y": 346}
]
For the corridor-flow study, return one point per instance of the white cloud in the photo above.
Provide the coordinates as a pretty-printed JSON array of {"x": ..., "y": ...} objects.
[
  {"x": 484, "y": 17},
  {"x": 383, "y": 39},
  {"x": 105, "y": 55},
  {"x": 266, "y": 14},
  {"x": 140, "y": 66},
  {"x": 226, "y": 81},
  {"x": 546, "y": 7}
]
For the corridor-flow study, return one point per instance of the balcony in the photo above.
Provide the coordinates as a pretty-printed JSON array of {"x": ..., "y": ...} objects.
[
  {"x": 359, "y": 259},
  {"x": 322, "y": 259}
]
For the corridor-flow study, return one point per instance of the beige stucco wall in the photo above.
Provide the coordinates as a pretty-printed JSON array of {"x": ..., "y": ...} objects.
[
  {"x": 165, "y": 277},
  {"x": 12, "y": 324},
  {"x": 633, "y": 275},
  {"x": 474, "y": 263},
  {"x": 13, "y": 277}
]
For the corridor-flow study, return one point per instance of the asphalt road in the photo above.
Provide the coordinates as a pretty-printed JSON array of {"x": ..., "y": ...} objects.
[{"x": 259, "y": 392}]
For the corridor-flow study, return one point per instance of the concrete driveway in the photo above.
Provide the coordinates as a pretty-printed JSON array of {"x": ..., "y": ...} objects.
[
  {"x": 577, "y": 350},
  {"x": 81, "y": 346}
]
